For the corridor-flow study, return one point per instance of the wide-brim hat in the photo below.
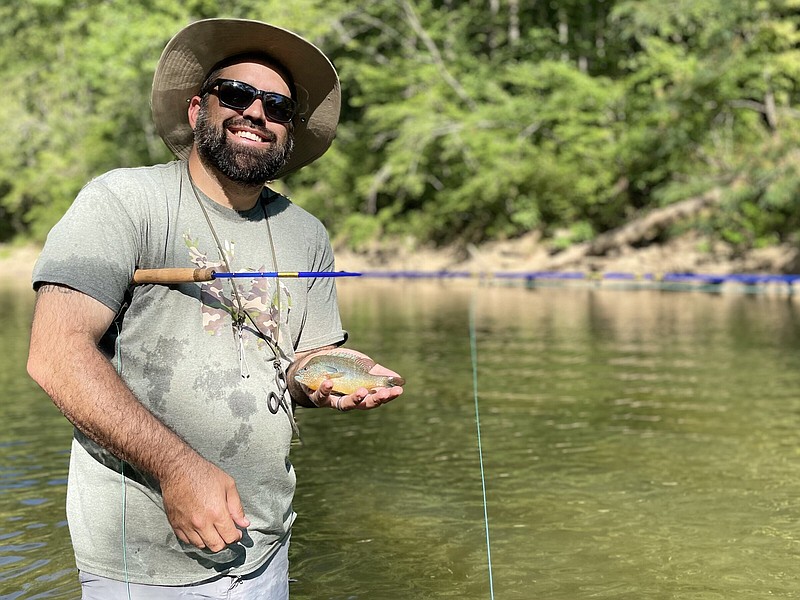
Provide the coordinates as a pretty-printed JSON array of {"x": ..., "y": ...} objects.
[{"x": 197, "y": 48}]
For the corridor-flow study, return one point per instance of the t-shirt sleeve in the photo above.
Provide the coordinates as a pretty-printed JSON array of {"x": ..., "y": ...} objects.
[{"x": 93, "y": 248}]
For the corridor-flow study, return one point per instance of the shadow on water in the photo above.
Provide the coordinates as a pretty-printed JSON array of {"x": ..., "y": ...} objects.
[{"x": 636, "y": 445}]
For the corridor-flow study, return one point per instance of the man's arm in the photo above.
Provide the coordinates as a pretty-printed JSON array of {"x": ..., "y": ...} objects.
[
  {"x": 362, "y": 398},
  {"x": 201, "y": 501}
]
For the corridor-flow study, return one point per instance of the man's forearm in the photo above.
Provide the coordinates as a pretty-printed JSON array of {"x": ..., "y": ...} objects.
[
  {"x": 65, "y": 361},
  {"x": 96, "y": 400}
]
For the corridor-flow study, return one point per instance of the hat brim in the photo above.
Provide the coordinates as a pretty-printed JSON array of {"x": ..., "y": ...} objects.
[{"x": 197, "y": 48}]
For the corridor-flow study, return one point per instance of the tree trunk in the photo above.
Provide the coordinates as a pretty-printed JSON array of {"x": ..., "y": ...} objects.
[{"x": 644, "y": 229}]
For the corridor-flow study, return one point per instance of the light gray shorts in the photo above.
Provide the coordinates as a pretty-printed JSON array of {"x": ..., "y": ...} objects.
[{"x": 269, "y": 582}]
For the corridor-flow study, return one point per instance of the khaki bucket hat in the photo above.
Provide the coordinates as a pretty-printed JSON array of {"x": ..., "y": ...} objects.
[{"x": 191, "y": 54}]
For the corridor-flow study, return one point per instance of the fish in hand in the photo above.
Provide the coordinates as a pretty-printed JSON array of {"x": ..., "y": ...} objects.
[{"x": 347, "y": 371}]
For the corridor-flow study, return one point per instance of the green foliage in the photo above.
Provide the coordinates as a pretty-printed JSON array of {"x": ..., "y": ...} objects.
[{"x": 461, "y": 122}]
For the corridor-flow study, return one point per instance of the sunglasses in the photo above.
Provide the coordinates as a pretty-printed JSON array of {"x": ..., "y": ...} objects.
[{"x": 239, "y": 95}]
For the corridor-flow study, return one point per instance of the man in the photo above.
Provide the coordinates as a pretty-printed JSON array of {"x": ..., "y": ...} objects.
[{"x": 180, "y": 483}]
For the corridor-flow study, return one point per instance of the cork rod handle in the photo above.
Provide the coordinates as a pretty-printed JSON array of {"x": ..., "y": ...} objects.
[{"x": 172, "y": 275}]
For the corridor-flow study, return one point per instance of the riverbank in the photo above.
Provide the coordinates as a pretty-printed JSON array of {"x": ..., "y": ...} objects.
[{"x": 687, "y": 254}]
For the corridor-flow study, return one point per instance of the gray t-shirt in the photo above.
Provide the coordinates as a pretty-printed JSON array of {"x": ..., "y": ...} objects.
[{"x": 179, "y": 352}]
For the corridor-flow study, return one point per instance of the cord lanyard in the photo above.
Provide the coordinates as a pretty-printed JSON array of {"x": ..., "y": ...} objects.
[{"x": 275, "y": 401}]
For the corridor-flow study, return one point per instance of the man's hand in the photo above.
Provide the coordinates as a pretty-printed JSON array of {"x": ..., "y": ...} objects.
[
  {"x": 361, "y": 399},
  {"x": 203, "y": 505}
]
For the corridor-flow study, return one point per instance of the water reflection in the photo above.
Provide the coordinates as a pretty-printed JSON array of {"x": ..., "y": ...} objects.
[
  {"x": 636, "y": 445},
  {"x": 35, "y": 555}
]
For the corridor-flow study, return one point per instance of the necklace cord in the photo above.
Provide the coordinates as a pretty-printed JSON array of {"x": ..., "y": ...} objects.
[
  {"x": 224, "y": 257},
  {"x": 118, "y": 366},
  {"x": 243, "y": 312},
  {"x": 474, "y": 356}
]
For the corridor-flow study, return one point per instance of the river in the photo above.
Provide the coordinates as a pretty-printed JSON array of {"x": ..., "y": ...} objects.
[{"x": 634, "y": 444}]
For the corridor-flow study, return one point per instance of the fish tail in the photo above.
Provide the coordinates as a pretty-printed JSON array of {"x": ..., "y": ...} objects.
[{"x": 396, "y": 380}]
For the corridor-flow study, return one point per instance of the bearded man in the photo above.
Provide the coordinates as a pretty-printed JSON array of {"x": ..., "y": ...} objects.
[{"x": 182, "y": 395}]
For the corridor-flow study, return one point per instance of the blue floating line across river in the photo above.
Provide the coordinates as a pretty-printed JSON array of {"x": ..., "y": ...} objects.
[
  {"x": 706, "y": 282},
  {"x": 745, "y": 278}
]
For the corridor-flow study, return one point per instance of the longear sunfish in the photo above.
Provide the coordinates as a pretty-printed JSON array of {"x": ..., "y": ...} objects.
[{"x": 347, "y": 371}]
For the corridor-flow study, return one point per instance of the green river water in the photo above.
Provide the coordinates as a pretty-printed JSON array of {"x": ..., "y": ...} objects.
[{"x": 636, "y": 445}]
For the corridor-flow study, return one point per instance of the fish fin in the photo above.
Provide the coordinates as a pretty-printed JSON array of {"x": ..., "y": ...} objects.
[
  {"x": 397, "y": 381},
  {"x": 333, "y": 375},
  {"x": 362, "y": 361}
]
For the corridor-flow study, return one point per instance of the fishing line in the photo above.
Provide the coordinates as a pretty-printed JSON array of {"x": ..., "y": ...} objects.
[
  {"x": 474, "y": 354},
  {"x": 118, "y": 352}
]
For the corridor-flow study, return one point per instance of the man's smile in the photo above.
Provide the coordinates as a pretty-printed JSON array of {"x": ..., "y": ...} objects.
[{"x": 251, "y": 133}]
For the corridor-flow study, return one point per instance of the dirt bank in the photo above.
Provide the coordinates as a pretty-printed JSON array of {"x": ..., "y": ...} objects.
[{"x": 688, "y": 254}]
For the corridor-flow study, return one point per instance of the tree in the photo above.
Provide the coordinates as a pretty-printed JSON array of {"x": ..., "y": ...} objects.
[{"x": 461, "y": 121}]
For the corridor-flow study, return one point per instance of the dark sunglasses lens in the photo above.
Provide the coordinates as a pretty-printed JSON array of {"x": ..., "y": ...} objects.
[
  {"x": 279, "y": 108},
  {"x": 236, "y": 95}
]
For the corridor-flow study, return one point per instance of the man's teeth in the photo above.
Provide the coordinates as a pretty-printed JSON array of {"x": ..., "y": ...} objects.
[{"x": 248, "y": 136}]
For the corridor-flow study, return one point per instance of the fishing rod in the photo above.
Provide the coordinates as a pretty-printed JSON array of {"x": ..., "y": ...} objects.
[
  {"x": 189, "y": 275},
  {"x": 748, "y": 282}
]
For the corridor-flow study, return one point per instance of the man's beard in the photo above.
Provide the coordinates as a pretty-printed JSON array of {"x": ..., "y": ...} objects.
[{"x": 249, "y": 166}]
